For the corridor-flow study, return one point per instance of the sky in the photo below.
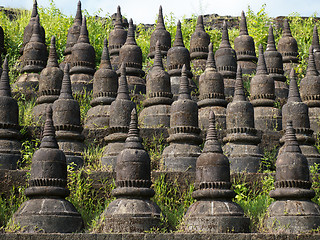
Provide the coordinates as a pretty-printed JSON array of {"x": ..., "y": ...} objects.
[{"x": 145, "y": 11}]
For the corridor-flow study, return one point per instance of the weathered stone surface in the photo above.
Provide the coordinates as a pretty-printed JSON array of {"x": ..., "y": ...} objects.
[
  {"x": 288, "y": 48},
  {"x": 297, "y": 111},
  {"x": 33, "y": 60},
  {"x": 72, "y": 37},
  {"x": 244, "y": 47},
  {"x": 66, "y": 119},
  {"x": 293, "y": 211},
  {"x": 132, "y": 211},
  {"x": 310, "y": 92},
  {"x": 159, "y": 236},
  {"x": 241, "y": 142},
  {"x": 199, "y": 43},
  {"x": 184, "y": 139},
  {"x": 316, "y": 47},
  {"x": 156, "y": 112},
  {"x": 211, "y": 88},
  {"x": 47, "y": 210},
  {"x": 130, "y": 54},
  {"x": 262, "y": 98},
  {"x": 226, "y": 62},
  {"x": 29, "y": 28},
  {"x": 214, "y": 210},
  {"x": 49, "y": 85},
  {"x": 162, "y": 35},
  {"x": 105, "y": 86},
  {"x": 120, "y": 110},
  {"x": 82, "y": 61},
  {"x": 9, "y": 124},
  {"x": 274, "y": 65},
  {"x": 117, "y": 38},
  {"x": 101, "y": 179},
  {"x": 178, "y": 56}
]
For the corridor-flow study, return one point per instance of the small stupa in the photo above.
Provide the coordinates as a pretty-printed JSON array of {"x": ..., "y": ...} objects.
[
  {"x": 298, "y": 112},
  {"x": 47, "y": 210},
  {"x": 226, "y": 62},
  {"x": 162, "y": 35},
  {"x": 105, "y": 86},
  {"x": 9, "y": 124},
  {"x": 288, "y": 48},
  {"x": 28, "y": 30},
  {"x": 156, "y": 111},
  {"x": 310, "y": 92},
  {"x": 132, "y": 211},
  {"x": 184, "y": 139},
  {"x": 245, "y": 49},
  {"x": 120, "y": 110},
  {"x": 241, "y": 142},
  {"x": 178, "y": 55},
  {"x": 131, "y": 55},
  {"x": 66, "y": 119},
  {"x": 49, "y": 84},
  {"x": 262, "y": 98},
  {"x": 33, "y": 60},
  {"x": 316, "y": 47},
  {"x": 83, "y": 64},
  {"x": 214, "y": 211},
  {"x": 211, "y": 98},
  {"x": 117, "y": 38},
  {"x": 274, "y": 65},
  {"x": 293, "y": 211},
  {"x": 199, "y": 43},
  {"x": 72, "y": 37}
]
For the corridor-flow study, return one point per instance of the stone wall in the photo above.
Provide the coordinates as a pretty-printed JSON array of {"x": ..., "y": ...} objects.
[
  {"x": 160, "y": 236},
  {"x": 16, "y": 178}
]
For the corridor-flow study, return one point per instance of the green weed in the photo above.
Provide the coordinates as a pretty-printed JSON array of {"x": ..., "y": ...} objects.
[
  {"x": 85, "y": 198},
  {"x": 9, "y": 204},
  {"x": 172, "y": 202}
]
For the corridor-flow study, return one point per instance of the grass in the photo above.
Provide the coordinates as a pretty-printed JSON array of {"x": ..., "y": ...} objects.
[
  {"x": 172, "y": 202},
  {"x": 91, "y": 202}
]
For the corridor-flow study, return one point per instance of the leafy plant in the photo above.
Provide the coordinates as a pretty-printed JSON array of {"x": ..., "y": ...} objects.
[
  {"x": 172, "y": 202},
  {"x": 85, "y": 198}
]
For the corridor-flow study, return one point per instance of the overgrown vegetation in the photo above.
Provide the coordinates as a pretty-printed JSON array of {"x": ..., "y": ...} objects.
[{"x": 252, "y": 197}]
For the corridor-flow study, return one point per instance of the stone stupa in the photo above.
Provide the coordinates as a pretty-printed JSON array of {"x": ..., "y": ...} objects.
[
  {"x": 241, "y": 142},
  {"x": 132, "y": 211},
  {"x": 293, "y": 211},
  {"x": 310, "y": 92},
  {"x": 66, "y": 119},
  {"x": 214, "y": 211},
  {"x": 156, "y": 111},
  {"x": 162, "y": 35},
  {"x": 274, "y": 65},
  {"x": 120, "y": 110},
  {"x": 47, "y": 210},
  {"x": 211, "y": 98},
  {"x": 298, "y": 112},
  {"x": 245, "y": 49},
  {"x": 226, "y": 62},
  {"x": 105, "y": 86},
  {"x": 262, "y": 98},
  {"x": 117, "y": 39},
  {"x": 49, "y": 84},
  {"x": 72, "y": 37},
  {"x": 10, "y": 135},
  {"x": 288, "y": 48},
  {"x": 184, "y": 133},
  {"x": 83, "y": 64}
]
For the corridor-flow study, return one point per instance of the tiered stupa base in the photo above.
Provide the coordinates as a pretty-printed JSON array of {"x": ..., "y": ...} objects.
[{"x": 48, "y": 215}]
